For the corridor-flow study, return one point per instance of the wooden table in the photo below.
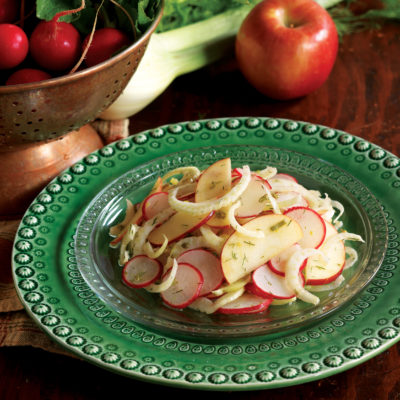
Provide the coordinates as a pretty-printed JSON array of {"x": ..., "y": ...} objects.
[{"x": 360, "y": 97}]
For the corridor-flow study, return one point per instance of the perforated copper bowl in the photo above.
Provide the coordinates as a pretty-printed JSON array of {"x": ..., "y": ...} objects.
[{"x": 48, "y": 109}]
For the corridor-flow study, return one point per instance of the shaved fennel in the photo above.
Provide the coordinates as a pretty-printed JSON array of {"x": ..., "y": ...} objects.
[{"x": 177, "y": 52}]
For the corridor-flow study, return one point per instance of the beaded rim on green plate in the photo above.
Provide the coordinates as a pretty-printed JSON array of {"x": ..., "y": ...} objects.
[{"x": 57, "y": 297}]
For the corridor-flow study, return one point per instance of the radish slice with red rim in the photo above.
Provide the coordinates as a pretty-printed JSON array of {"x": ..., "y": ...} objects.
[
  {"x": 186, "y": 286},
  {"x": 141, "y": 271},
  {"x": 288, "y": 200},
  {"x": 246, "y": 304},
  {"x": 278, "y": 263},
  {"x": 312, "y": 224},
  {"x": 209, "y": 266},
  {"x": 154, "y": 204},
  {"x": 282, "y": 175},
  {"x": 266, "y": 283}
]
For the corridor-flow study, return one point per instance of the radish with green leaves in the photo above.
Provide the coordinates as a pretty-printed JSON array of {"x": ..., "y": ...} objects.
[
  {"x": 56, "y": 45},
  {"x": 14, "y": 46}
]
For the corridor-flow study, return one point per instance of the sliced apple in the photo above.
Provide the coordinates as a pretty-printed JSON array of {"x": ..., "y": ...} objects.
[
  {"x": 320, "y": 270},
  {"x": 254, "y": 199},
  {"x": 176, "y": 227},
  {"x": 241, "y": 255},
  {"x": 215, "y": 181}
]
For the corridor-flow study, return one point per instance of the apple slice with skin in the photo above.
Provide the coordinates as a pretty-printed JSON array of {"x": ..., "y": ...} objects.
[
  {"x": 185, "y": 288},
  {"x": 320, "y": 271},
  {"x": 246, "y": 304},
  {"x": 154, "y": 204},
  {"x": 209, "y": 266},
  {"x": 312, "y": 224},
  {"x": 254, "y": 199},
  {"x": 242, "y": 255},
  {"x": 213, "y": 183},
  {"x": 141, "y": 271},
  {"x": 176, "y": 227}
]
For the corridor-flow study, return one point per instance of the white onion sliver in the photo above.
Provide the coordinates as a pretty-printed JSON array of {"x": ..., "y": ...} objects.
[
  {"x": 352, "y": 257},
  {"x": 239, "y": 228}
]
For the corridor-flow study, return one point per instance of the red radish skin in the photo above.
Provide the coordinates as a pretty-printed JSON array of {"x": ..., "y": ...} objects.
[
  {"x": 277, "y": 264},
  {"x": 9, "y": 10},
  {"x": 106, "y": 42},
  {"x": 209, "y": 266},
  {"x": 246, "y": 304},
  {"x": 56, "y": 45},
  {"x": 269, "y": 285},
  {"x": 186, "y": 286},
  {"x": 154, "y": 204},
  {"x": 27, "y": 75},
  {"x": 14, "y": 46},
  {"x": 312, "y": 224},
  {"x": 141, "y": 271},
  {"x": 282, "y": 175}
]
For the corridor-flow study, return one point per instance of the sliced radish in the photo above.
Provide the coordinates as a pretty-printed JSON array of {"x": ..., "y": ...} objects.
[
  {"x": 281, "y": 175},
  {"x": 291, "y": 199},
  {"x": 312, "y": 225},
  {"x": 319, "y": 270},
  {"x": 185, "y": 288},
  {"x": 254, "y": 198},
  {"x": 141, "y": 271},
  {"x": 237, "y": 173},
  {"x": 246, "y": 304},
  {"x": 154, "y": 204},
  {"x": 209, "y": 266},
  {"x": 266, "y": 283},
  {"x": 278, "y": 263}
]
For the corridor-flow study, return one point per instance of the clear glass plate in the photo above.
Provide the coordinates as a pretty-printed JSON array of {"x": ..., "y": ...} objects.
[{"x": 98, "y": 264}]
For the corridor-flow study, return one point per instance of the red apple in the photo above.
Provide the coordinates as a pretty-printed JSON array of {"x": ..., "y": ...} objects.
[{"x": 287, "y": 48}]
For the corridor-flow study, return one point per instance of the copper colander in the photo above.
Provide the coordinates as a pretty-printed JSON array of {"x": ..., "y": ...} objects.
[{"x": 33, "y": 115}]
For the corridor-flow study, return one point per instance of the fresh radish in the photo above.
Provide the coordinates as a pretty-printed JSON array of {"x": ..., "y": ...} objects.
[
  {"x": 141, "y": 271},
  {"x": 14, "y": 46},
  {"x": 312, "y": 225},
  {"x": 185, "y": 288},
  {"x": 154, "y": 204},
  {"x": 322, "y": 270},
  {"x": 105, "y": 43},
  {"x": 56, "y": 45},
  {"x": 246, "y": 304},
  {"x": 9, "y": 10},
  {"x": 27, "y": 75},
  {"x": 291, "y": 199},
  {"x": 254, "y": 198},
  {"x": 266, "y": 283},
  {"x": 282, "y": 175},
  {"x": 277, "y": 264},
  {"x": 209, "y": 266}
]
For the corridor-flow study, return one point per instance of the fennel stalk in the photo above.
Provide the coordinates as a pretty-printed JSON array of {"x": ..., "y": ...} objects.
[{"x": 179, "y": 51}]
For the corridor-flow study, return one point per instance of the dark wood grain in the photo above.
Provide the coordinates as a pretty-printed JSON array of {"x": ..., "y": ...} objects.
[{"x": 360, "y": 97}]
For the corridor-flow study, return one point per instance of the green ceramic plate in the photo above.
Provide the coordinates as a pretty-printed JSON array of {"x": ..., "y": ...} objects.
[{"x": 59, "y": 299}]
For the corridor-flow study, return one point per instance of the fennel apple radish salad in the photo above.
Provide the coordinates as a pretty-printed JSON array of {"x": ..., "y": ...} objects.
[{"x": 233, "y": 240}]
